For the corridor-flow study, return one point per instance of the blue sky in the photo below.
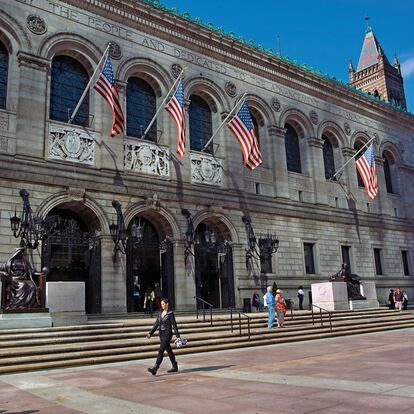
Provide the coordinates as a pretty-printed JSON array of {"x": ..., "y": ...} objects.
[{"x": 324, "y": 34}]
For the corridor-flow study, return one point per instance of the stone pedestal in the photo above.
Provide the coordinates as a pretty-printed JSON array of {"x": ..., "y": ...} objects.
[
  {"x": 25, "y": 320},
  {"x": 369, "y": 290},
  {"x": 330, "y": 295},
  {"x": 66, "y": 302}
]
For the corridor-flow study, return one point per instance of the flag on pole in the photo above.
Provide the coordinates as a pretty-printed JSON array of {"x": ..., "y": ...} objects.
[
  {"x": 365, "y": 165},
  {"x": 175, "y": 108},
  {"x": 107, "y": 88},
  {"x": 242, "y": 127}
]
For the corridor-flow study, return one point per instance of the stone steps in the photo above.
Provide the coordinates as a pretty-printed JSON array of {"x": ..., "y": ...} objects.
[{"x": 25, "y": 352}]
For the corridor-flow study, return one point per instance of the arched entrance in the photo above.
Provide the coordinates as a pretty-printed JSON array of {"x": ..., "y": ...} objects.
[
  {"x": 214, "y": 264},
  {"x": 72, "y": 252},
  {"x": 150, "y": 263}
]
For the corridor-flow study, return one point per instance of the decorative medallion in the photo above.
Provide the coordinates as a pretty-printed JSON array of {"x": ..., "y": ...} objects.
[
  {"x": 115, "y": 51},
  {"x": 143, "y": 157},
  {"x": 36, "y": 24},
  {"x": 347, "y": 128},
  {"x": 230, "y": 89},
  {"x": 313, "y": 117},
  {"x": 275, "y": 103},
  {"x": 71, "y": 144},
  {"x": 176, "y": 69},
  {"x": 206, "y": 170}
]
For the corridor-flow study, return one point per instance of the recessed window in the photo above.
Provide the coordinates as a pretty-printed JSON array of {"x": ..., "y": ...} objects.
[
  {"x": 346, "y": 256},
  {"x": 328, "y": 158},
  {"x": 309, "y": 253},
  {"x": 406, "y": 267},
  {"x": 387, "y": 175},
  {"x": 265, "y": 258},
  {"x": 4, "y": 69},
  {"x": 201, "y": 126},
  {"x": 378, "y": 263},
  {"x": 292, "y": 150},
  {"x": 258, "y": 188}
]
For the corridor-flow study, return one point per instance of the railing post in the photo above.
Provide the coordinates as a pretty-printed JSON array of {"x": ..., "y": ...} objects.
[
  {"x": 231, "y": 319},
  {"x": 211, "y": 316},
  {"x": 320, "y": 312},
  {"x": 196, "y": 309},
  {"x": 313, "y": 320},
  {"x": 248, "y": 327},
  {"x": 330, "y": 322},
  {"x": 240, "y": 327},
  {"x": 204, "y": 312}
]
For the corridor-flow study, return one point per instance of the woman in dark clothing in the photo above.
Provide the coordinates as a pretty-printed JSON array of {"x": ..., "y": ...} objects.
[{"x": 165, "y": 324}]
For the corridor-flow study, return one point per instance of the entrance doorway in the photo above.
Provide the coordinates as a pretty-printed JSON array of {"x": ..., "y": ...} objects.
[
  {"x": 150, "y": 265},
  {"x": 73, "y": 254},
  {"x": 213, "y": 268}
]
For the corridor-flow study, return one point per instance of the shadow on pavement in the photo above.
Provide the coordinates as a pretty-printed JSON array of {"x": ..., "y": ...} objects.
[{"x": 206, "y": 369}]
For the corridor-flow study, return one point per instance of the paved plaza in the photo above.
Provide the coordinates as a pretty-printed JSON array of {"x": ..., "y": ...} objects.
[{"x": 372, "y": 373}]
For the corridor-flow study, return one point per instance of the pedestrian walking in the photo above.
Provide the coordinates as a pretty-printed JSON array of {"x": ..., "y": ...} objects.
[
  {"x": 269, "y": 300},
  {"x": 256, "y": 302},
  {"x": 405, "y": 301},
  {"x": 391, "y": 304},
  {"x": 166, "y": 324},
  {"x": 301, "y": 295},
  {"x": 280, "y": 308},
  {"x": 398, "y": 299},
  {"x": 149, "y": 301}
]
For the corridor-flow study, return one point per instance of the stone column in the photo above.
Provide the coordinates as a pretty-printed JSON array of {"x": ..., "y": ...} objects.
[
  {"x": 184, "y": 275},
  {"x": 31, "y": 110},
  {"x": 278, "y": 160},
  {"x": 113, "y": 278},
  {"x": 316, "y": 163}
]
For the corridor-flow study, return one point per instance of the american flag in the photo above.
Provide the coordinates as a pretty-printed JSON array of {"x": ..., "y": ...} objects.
[
  {"x": 106, "y": 86},
  {"x": 366, "y": 167},
  {"x": 175, "y": 107},
  {"x": 242, "y": 127}
]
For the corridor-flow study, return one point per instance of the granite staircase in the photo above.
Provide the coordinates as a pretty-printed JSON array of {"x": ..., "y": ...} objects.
[{"x": 110, "y": 340}]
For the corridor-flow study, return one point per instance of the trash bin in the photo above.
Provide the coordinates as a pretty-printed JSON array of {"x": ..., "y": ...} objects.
[{"x": 247, "y": 305}]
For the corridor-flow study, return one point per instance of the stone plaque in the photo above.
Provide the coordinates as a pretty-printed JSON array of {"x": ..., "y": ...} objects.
[
  {"x": 147, "y": 158},
  {"x": 68, "y": 143},
  {"x": 206, "y": 169}
]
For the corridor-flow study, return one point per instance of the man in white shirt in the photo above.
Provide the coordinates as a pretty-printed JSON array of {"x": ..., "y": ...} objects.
[{"x": 301, "y": 294}]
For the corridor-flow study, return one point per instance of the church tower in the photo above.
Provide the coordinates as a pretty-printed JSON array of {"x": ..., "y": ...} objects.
[{"x": 375, "y": 75}]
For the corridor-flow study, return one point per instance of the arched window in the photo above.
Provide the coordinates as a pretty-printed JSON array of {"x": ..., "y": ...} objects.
[
  {"x": 292, "y": 150},
  {"x": 69, "y": 80},
  {"x": 256, "y": 128},
  {"x": 141, "y": 107},
  {"x": 328, "y": 158},
  {"x": 4, "y": 69},
  {"x": 357, "y": 147},
  {"x": 201, "y": 127},
  {"x": 387, "y": 174}
]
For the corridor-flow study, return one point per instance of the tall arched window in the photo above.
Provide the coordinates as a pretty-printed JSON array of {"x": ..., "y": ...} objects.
[
  {"x": 69, "y": 80},
  {"x": 256, "y": 128},
  {"x": 201, "y": 126},
  {"x": 357, "y": 147},
  {"x": 292, "y": 150},
  {"x": 387, "y": 174},
  {"x": 328, "y": 158},
  {"x": 4, "y": 69},
  {"x": 141, "y": 107}
]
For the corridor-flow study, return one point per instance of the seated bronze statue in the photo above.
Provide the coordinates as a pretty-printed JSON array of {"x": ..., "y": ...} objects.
[
  {"x": 23, "y": 287},
  {"x": 351, "y": 280}
]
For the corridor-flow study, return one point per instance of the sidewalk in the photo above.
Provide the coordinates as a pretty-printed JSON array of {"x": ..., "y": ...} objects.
[{"x": 372, "y": 373}]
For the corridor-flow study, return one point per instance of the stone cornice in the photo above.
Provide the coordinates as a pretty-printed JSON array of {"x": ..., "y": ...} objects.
[
  {"x": 176, "y": 29},
  {"x": 33, "y": 61}
]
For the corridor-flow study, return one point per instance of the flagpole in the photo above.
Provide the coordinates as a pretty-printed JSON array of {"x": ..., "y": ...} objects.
[
  {"x": 225, "y": 120},
  {"x": 162, "y": 104},
  {"x": 88, "y": 86},
  {"x": 365, "y": 145}
]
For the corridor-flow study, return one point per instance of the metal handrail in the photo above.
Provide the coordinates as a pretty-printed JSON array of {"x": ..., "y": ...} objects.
[
  {"x": 204, "y": 302},
  {"x": 320, "y": 313},
  {"x": 240, "y": 324}
]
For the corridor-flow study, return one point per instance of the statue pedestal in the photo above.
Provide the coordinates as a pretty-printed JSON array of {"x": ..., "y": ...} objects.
[
  {"x": 27, "y": 319},
  {"x": 66, "y": 303},
  {"x": 369, "y": 290},
  {"x": 330, "y": 295}
]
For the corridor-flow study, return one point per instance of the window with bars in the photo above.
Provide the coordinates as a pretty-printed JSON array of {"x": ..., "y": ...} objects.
[
  {"x": 68, "y": 81},
  {"x": 328, "y": 158},
  {"x": 292, "y": 150},
  {"x": 387, "y": 174},
  {"x": 201, "y": 126},
  {"x": 141, "y": 106},
  {"x": 4, "y": 71}
]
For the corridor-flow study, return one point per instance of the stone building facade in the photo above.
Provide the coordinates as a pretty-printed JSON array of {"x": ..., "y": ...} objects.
[{"x": 308, "y": 127}]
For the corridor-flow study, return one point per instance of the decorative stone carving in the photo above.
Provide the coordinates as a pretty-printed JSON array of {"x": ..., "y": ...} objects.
[
  {"x": 32, "y": 61},
  {"x": 77, "y": 194},
  {"x": 176, "y": 69},
  {"x": 206, "y": 169},
  {"x": 347, "y": 128},
  {"x": 115, "y": 51},
  {"x": 153, "y": 202},
  {"x": 230, "y": 89},
  {"x": 67, "y": 143},
  {"x": 147, "y": 158},
  {"x": 275, "y": 103},
  {"x": 314, "y": 117},
  {"x": 4, "y": 122},
  {"x": 4, "y": 144},
  {"x": 36, "y": 24}
]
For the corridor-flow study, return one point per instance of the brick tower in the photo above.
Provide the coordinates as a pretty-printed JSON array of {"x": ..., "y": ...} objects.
[{"x": 375, "y": 75}]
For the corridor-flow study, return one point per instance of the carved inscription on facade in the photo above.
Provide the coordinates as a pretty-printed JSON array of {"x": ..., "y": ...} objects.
[
  {"x": 71, "y": 144},
  {"x": 143, "y": 157},
  {"x": 206, "y": 170}
]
